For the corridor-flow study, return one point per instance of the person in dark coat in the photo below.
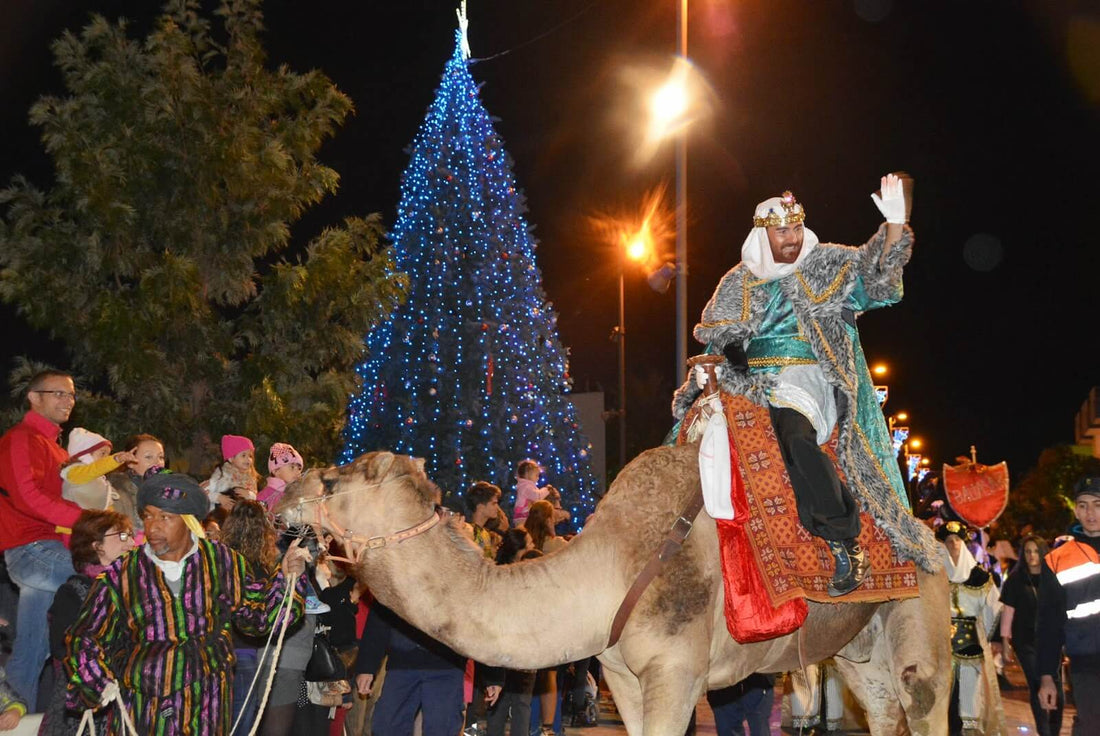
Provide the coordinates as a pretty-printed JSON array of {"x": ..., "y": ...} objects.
[{"x": 422, "y": 674}]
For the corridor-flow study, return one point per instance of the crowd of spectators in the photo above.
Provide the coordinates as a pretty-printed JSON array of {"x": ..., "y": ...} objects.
[
  {"x": 132, "y": 593},
  {"x": 126, "y": 589}
]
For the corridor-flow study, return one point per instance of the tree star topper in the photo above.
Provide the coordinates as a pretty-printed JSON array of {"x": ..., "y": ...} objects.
[{"x": 464, "y": 27}]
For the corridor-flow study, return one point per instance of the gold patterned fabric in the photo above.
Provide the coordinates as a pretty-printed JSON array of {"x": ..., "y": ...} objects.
[{"x": 793, "y": 563}]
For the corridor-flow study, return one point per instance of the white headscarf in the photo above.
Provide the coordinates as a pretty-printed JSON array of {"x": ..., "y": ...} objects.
[
  {"x": 958, "y": 572},
  {"x": 756, "y": 252}
]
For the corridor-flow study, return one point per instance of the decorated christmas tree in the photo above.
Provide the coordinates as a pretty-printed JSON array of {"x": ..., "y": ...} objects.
[{"x": 469, "y": 373}]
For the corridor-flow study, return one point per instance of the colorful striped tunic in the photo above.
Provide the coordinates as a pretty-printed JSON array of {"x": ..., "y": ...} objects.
[{"x": 171, "y": 655}]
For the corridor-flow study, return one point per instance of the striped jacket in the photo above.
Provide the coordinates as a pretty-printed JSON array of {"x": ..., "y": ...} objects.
[
  {"x": 1069, "y": 605},
  {"x": 134, "y": 631}
]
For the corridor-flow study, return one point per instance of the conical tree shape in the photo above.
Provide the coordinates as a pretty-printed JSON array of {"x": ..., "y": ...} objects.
[{"x": 469, "y": 374}]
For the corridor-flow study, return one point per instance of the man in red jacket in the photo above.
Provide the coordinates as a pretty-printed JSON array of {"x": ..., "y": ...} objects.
[{"x": 31, "y": 510}]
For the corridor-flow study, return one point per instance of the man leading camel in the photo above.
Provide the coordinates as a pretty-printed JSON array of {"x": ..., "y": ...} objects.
[
  {"x": 155, "y": 628},
  {"x": 785, "y": 320}
]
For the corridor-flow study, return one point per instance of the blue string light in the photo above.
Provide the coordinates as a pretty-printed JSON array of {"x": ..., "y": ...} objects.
[{"x": 469, "y": 373}]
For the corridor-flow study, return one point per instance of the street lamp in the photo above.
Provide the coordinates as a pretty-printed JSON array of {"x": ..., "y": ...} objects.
[
  {"x": 635, "y": 247},
  {"x": 672, "y": 109}
]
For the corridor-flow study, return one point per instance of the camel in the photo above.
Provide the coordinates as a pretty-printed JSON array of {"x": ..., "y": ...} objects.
[{"x": 540, "y": 613}]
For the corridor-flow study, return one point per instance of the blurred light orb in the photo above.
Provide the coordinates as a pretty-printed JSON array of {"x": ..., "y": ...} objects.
[
  {"x": 669, "y": 102},
  {"x": 983, "y": 252},
  {"x": 873, "y": 11}
]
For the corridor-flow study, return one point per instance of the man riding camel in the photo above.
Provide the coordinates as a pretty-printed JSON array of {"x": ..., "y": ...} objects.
[{"x": 785, "y": 319}]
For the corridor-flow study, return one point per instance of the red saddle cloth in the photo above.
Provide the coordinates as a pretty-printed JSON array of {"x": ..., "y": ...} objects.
[{"x": 770, "y": 564}]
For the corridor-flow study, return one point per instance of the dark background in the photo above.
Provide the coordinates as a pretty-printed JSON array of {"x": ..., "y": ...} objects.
[{"x": 991, "y": 106}]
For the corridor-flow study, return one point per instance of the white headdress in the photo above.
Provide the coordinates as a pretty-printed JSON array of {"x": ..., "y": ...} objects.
[{"x": 756, "y": 253}]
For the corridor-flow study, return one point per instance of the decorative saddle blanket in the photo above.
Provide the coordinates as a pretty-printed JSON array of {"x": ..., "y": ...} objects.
[{"x": 789, "y": 565}]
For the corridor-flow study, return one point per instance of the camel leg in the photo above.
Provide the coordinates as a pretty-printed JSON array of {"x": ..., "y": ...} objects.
[
  {"x": 918, "y": 637},
  {"x": 625, "y": 689},
  {"x": 905, "y": 684},
  {"x": 670, "y": 691},
  {"x": 672, "y": 671},
  {"x": 873, "y": 688}
]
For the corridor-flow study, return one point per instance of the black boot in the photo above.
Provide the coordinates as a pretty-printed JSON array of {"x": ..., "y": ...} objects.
[{"x": 851, "y": 566}]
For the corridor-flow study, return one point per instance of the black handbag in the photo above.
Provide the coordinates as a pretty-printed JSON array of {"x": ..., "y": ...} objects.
[{"x": 325, "y": 664}]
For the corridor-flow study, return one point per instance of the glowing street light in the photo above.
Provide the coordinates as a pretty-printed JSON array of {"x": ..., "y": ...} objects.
[
  {"x": 668, "y": 106},
  {"x": 880, "y": 369},
  {"x": 638, "y": 248},
  {"x": 915, "y": 443}
]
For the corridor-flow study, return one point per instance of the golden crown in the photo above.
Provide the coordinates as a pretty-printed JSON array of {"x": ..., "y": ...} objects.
[{"x": 790, "y": 214}]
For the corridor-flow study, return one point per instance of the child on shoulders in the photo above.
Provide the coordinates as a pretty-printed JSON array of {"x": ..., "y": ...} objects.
[
  {"x": 285, "y": 465},
  {"x": 83, "y": 477},
  {"x": 235, "y": 477}
]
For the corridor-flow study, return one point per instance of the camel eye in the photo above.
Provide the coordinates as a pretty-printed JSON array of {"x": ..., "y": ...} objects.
[{"x": 329, "y": 484}]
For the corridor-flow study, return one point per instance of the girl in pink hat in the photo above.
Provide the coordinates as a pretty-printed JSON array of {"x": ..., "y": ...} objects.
[
  {"x": 285, "y": 465},
  {"x": 236, "y": 477}
]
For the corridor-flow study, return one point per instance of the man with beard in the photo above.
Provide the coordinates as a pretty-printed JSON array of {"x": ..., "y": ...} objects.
[
  {"x": 785, "y": 320},
  {"x": 155, "y": 627}
]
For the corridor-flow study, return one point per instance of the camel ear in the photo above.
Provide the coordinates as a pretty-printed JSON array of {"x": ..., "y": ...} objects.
[
  {"x": 418, "y": 463},
  {"x": 380, "y": 465}
]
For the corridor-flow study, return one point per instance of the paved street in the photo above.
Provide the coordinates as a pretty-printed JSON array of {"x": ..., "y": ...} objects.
[{"x": 1017, "y": 715}]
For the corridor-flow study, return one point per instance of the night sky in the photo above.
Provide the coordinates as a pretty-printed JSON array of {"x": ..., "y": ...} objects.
[{"x": 992, "y": 106}]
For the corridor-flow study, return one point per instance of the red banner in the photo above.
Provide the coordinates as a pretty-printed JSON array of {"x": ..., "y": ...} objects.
[{"x": 977, "y": 493}]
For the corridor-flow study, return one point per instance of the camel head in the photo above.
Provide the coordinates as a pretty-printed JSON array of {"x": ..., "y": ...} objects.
[{"x": 370, "y": 498}]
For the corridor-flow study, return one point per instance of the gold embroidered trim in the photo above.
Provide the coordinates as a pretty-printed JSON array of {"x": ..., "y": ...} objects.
[
  {"x": 769, "y": 362},
  {"x": 831, "y": 289},
  {"x": 968, "y": 657},
  {"x": 746, "y": 306},
  {"x": 832, "y": 356},
  {"x": 719, "y": 323}
]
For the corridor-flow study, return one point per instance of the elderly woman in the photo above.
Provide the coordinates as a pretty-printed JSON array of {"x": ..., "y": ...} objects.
[{"x": 99, "y": 538}]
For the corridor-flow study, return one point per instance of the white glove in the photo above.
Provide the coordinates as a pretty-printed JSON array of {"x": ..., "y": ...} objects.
[
  {"x": 109, "y": 693},
  {"x": 701, "y": 376},
  {"x": 892, "y": 202}
]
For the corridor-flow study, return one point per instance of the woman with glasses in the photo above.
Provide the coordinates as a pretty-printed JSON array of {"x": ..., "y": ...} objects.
[{"x": 99, "y": 538}]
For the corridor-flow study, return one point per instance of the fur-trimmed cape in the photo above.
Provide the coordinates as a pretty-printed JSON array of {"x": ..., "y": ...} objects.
[{"x": 834, "y": 284}]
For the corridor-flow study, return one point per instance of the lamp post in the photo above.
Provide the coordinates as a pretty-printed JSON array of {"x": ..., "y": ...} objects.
[
  {"x": 913, "y": 461},
  {"x": 635, "y": 248},
  {"x": 671, "y": 110},
  {"x": 681, "y": 217}
]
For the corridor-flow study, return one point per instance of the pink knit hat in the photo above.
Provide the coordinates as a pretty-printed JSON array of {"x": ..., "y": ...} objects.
[
  {"x": 234, "y": 444},
  {"x": 282, "y": 455}
]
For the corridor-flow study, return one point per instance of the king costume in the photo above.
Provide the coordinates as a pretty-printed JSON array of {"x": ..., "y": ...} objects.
[
  {"x": 162, "y": 630},
  {"x": 788, "y": 331}
]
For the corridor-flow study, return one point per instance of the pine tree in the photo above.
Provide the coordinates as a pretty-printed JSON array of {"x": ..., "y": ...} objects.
[
  {"x": 158, "y": 256},
  {"x": 469, "y": 373}
]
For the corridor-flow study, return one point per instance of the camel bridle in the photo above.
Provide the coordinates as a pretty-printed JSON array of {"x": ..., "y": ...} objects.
[{"x": 356, "y": 544}]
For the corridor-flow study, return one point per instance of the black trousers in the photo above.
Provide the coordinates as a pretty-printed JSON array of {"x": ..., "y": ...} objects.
[
  {"x": 1086, "y": 696},
  {"x": 1047, "y": 722},
  {"x": 825, "y": 506}
]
